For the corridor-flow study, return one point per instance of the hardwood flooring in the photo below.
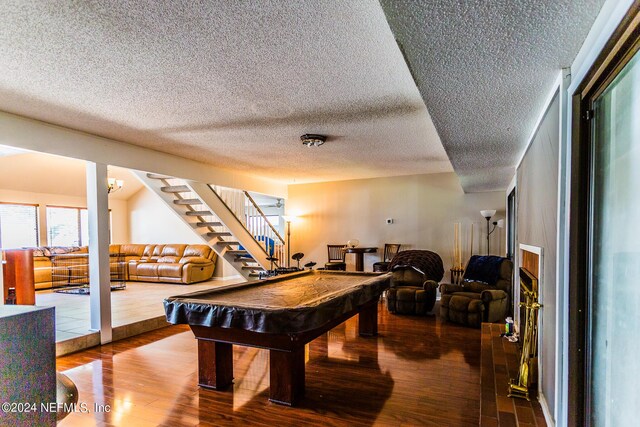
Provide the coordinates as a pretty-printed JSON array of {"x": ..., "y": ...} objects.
[{"x": 417, "y": 371}]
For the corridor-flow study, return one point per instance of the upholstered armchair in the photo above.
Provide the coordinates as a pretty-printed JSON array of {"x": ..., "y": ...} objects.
[
  {"x": 484, "y": 294},
  {"x": 414, "y": 281}
]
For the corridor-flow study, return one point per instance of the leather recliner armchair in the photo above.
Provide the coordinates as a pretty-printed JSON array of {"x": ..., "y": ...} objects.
[
  {"x": 484, "y": 294},
  {"x": 414, "y": 281}
]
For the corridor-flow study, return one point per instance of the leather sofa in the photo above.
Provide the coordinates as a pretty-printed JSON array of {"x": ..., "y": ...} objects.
[
  {"x": 173, "y": 263},
  {"x": 43, "y": 266}
]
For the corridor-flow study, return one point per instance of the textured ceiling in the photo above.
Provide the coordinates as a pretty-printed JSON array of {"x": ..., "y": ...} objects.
[
  {"x": 230, "y": 83},
  {"x": 484, "y": 69}
]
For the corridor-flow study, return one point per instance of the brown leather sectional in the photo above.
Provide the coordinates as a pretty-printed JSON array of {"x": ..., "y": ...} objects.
[{"x": 173, "y": 263}]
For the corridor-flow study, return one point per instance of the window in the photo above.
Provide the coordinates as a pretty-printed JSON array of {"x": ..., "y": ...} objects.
[
  {"x": 274, "y": 220},
  {"x": 18, "y": 226},
  {"x": 67, "y": 226}
]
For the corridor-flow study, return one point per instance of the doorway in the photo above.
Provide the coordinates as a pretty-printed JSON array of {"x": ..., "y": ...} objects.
[{"x": 511, "y": 225}]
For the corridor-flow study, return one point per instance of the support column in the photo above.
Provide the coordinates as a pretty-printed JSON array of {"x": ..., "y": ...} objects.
[
  {"x": 2, "y": 278},
  {"x": 99, "y": 276}
]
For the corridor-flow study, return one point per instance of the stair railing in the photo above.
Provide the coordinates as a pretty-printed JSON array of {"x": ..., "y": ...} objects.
[
  {"x": 262, "y": 229},
  {"x": 245, "y": 208}
]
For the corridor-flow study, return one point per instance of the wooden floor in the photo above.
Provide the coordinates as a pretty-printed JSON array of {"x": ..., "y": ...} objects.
[{"x": 418, "y": 371}]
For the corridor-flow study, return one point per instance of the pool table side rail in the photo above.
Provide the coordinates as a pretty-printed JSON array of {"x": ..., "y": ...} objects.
[{"x": 293, "y": 321}]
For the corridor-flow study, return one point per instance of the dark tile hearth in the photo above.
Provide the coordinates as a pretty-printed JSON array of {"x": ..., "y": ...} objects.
[{"x": 499, "y": 363}]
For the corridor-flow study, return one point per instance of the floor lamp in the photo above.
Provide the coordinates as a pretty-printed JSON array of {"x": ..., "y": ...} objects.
[
  {"x": 487, "y": 214},
  {"x": 288, "y": 218}
]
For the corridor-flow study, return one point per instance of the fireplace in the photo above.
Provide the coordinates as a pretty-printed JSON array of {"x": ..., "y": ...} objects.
[
  {"x": 528, "y": 281},
  {"x": 530, "y": 259}
]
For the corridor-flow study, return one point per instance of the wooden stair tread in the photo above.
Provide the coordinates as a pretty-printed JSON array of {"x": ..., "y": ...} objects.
[
  {"x": 227, "y": 242},
  {"x": 158, "y": 176},
  {"x": 187, "y": 202},
  {"x": 209, "y": 224},
  {"x": 218, "y": 234},
  {"x": 199, "y": 213},
  {"x": 237, "y": 252},
  {"x": 175, "y": 189}
]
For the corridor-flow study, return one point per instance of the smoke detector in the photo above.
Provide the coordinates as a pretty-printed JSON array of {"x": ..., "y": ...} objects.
[{"x": 312, "y": 140}]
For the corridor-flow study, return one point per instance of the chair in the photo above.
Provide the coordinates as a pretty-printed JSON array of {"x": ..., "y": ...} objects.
[
  {"x": 336, "y": 256},
  {"x": 390, "y": 250},
  {"x": 414, "y": 281},
  {"x": 484, "y": 294}
]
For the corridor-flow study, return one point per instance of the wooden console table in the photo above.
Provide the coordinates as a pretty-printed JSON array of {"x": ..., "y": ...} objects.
[{"x": 359, "y": 253}]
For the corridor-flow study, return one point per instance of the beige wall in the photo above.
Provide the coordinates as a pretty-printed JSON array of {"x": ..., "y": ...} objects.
[
  {"x": 424, "y": 209},
  {"x": 537, "y": 222},
  {"x": 119, "y": 220},
  {"x": 150, "y": 221}
]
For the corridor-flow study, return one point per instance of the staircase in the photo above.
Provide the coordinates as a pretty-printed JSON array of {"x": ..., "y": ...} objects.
[{"x": 202, "y": 208}]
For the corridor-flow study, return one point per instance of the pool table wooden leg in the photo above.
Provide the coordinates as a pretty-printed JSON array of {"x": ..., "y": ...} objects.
[
  {"x": 215, "y": 364},
  {"x": 368, "y": 319},
  {"x": 286, "y": 376}
]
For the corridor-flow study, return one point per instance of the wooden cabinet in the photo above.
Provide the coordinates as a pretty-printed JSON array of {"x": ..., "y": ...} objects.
[{"x": 17, "y": 272}]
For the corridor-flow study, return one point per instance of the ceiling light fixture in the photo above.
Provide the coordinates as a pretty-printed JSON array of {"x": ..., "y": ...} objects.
[
  {"x": 312, "y": 140},
  {"x": 114, "y": 185}
]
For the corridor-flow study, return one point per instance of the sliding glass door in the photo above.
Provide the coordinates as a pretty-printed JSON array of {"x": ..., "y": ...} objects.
[{"x": 613, "y": 294}]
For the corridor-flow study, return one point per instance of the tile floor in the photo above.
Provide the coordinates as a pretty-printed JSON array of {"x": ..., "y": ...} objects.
[{"x": 134, "y": 310}]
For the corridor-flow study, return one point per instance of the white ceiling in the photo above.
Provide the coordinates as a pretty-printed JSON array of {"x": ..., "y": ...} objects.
[
  {"x": 485, "y": 69},
  {"x": 42, "y": 173},
  {"x": 230, "y": 83},
  {"x": 235, "y": 84}
]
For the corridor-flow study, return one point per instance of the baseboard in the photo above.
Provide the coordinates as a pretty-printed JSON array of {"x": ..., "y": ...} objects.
[{"x": 545, "y": 410}]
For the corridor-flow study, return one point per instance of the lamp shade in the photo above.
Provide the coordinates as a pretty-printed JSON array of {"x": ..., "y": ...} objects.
[
  {"x": 501, "y": 223},
  {"x": 114, "y": 185},
  {"x": 488, "y": 213}
]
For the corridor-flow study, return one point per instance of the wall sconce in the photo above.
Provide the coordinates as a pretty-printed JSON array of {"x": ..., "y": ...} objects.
[
  {"x": 487, "y": 214},
  {"x": 114, "y": 185}
]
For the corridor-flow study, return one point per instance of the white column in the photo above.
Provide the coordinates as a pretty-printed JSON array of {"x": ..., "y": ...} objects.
[
  {"x": 99, "y": 276},
  {"x": 1, "y": 281}
]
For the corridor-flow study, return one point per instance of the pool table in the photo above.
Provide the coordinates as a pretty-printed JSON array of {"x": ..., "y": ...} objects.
[{"x": 281, "y": 314}]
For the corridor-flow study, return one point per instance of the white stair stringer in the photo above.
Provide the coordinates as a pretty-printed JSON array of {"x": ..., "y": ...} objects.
[
  {"x": 215, "y": 229},
  {"x": 238, "y": 231}
]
